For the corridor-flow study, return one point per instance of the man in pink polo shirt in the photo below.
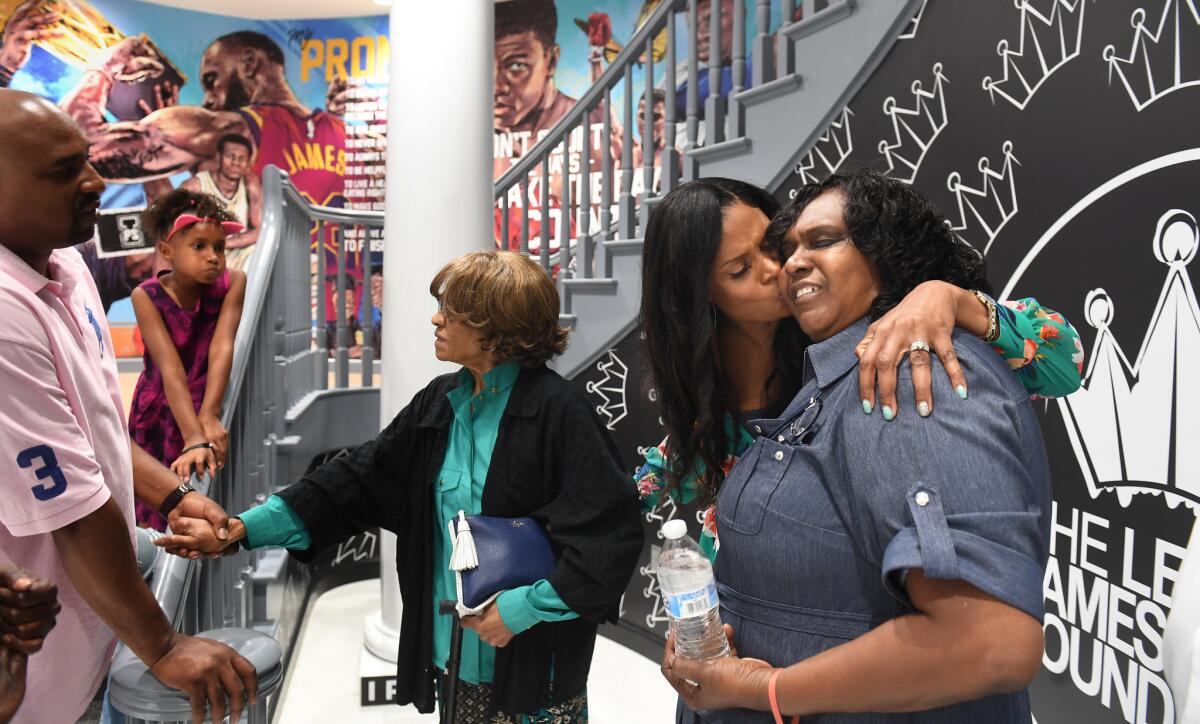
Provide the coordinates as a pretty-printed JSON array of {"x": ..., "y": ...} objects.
[{"x": 67, "y": 470}]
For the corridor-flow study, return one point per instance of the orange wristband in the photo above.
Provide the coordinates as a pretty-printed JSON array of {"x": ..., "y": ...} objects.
[{"x": 775, "y": 701}]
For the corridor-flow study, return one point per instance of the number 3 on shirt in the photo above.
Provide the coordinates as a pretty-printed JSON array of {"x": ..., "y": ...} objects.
[{"x": 49, "y": 470}]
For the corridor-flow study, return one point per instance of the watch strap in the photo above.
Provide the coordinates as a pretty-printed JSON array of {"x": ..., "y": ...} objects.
[{"x": 173, "y": 498}]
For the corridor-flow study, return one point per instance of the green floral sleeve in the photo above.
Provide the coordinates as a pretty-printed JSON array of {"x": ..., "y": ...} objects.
[
  {"x": 651, "y": 480},
  {"x": 1041, "y": 346}
]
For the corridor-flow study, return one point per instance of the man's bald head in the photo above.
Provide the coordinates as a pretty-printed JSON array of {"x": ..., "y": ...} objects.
[
  {"x": 25, "y": 115},
  {"x": 49, "y": 193}
]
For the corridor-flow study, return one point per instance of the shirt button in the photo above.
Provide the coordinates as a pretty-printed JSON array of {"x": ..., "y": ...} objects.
[
  {"x": 779, "y": 455},
  {"x": 495, "y": 390},
  {"x": 757, "y": 429},
  {"x": 922, "y": 498},
  {"x": 780, "y": 438}
]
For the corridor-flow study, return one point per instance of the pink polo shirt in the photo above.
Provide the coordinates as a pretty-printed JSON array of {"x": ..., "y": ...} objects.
[{"x": 64, "y": 451}]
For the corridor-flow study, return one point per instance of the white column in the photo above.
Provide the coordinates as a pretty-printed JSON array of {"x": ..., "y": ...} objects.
[{"x": 439, "y": 205}]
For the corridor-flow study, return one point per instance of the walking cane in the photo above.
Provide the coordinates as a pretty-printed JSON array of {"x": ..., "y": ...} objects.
[{"x": 450, "y": 705}]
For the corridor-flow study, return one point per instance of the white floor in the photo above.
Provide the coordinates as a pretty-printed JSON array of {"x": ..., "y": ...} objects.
[{"x": 324, "y": 683}]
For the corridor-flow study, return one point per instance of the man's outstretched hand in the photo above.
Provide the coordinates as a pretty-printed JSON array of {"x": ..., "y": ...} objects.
[{"x": 206, "y": 671}]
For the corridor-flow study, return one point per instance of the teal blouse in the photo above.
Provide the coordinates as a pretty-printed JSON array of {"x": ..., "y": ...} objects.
[
  {"x": 1040, "y": 346},
  {"x": 459, "y": 487}
]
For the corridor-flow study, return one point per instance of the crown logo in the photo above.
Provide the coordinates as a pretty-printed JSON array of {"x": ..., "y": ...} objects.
[
  {"x": 1133, "y": 426},
  {"x": 830, "y": 151},
  {"x": 910, "y": 31},
  {"x": 1155, "y": 65},
  {"x": 653, "y": 593},
  {"x": 611, "y": 389},
  {"x": 356, "y": 548},
  {"x": 990, "y": 206},
  {"x": 1047, "y": 43},
  {"x": 914, "y": 129}
]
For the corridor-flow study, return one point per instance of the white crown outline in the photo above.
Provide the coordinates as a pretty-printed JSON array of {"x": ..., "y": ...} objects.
[
  {"x": 930, "y": 105},
  {"x": 1122, "y": 441},
  {"x": 356, "y": 548},
  {"x": 998, "y": 192},
  {"x": 653, "y": 592},
  {"x": 1069, "y": 44},
  {"x": 611, "y": 389},
  {"x": 830, "y": 151},
  {"x": 1143, "y": 40},
  {"x": 914, "y": 25}
]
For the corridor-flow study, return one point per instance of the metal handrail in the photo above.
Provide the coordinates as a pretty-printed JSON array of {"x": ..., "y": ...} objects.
[{"x": 256, "y": 359}]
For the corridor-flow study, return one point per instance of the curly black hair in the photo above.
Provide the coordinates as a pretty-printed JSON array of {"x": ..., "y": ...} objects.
[
  {"x": 904, "y": 237},
  {"x": 159, "y": 217},
  {"x": 693, "y": 392},
  {"x": 514, "y": 17}
]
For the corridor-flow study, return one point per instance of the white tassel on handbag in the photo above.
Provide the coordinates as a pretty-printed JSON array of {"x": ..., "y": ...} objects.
[{"x": 463, "y": 557}]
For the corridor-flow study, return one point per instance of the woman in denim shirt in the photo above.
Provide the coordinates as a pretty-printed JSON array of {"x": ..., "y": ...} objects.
[
  {"x": 723, "y": 348},
  {"x": 895, "y": 568}
]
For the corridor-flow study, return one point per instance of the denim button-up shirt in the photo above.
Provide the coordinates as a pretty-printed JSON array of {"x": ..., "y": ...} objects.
[{"x": 823, "y": 517}]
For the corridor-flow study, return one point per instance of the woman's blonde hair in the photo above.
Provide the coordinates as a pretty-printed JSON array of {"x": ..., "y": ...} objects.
[{"x": 509, "y": 299}]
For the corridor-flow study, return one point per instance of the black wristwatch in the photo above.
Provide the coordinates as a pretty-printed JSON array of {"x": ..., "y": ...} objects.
[{"x": 173, "y": 499}]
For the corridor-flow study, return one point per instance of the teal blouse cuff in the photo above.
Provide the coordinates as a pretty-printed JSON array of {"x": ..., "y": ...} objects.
[
  {"x": 523, "y": 607},
  {"x": 274, "y": 523}
]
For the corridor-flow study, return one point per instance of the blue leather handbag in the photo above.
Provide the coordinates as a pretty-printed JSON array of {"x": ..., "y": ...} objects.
[{"x": 493, "y": 555}]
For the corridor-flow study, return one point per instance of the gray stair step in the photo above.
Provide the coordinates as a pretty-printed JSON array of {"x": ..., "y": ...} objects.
[
  {"x": 769, "y": 90},
  {"x": 838, "y": 10},
  {"x": 854, "y": 38},
  {"x": 723, "y": 150},
  {"x": 624, "y": 246},
  {"x": 270, "y": 565},
  {"x": 568, "y": 320},
  {"x": 596, "y": 286}
]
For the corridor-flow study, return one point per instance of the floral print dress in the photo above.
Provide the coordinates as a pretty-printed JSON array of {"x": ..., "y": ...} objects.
[{"x": 1039, "y": 344}]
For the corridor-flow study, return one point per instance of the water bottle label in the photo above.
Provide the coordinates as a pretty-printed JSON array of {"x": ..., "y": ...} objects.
[{"x": 693, "y": 603}]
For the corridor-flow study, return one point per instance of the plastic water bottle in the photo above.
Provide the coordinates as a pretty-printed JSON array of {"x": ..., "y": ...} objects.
[{"x": 690, "y": 592}]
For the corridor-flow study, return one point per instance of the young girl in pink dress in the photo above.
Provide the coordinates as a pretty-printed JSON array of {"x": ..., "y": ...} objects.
[{"x": 188, "y": 316}]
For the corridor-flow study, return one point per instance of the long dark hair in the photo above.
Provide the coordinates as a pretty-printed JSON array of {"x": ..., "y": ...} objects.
[
  {"x": 898, "y": 230},
  {"x": 694, "y": 395}
]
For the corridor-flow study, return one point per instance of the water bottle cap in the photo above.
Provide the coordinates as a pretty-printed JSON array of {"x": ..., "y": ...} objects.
[{"x": 673, "y": 529}]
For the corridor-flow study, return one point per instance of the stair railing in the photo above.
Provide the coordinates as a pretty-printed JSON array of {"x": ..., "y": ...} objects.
[
  {"x": 282, "y": 355},
  {"x": 588, "y": 216}
]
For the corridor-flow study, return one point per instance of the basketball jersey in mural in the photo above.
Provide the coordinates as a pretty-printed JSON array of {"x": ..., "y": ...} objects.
[{"x": 312, "y": 149}]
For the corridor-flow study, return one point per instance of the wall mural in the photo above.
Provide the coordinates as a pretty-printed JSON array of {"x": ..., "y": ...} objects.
[{"x": 1057, "y": 137}]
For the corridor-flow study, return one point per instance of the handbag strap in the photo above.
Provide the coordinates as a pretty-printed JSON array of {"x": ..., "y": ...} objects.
[{"x": 462, "y": 540}]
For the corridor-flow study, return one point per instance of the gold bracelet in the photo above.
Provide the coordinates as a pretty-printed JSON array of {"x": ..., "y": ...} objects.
[{"x": 993, "y": 330}]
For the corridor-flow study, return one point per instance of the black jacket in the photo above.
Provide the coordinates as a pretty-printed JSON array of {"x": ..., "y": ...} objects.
[{"x": 553, "y": 461}]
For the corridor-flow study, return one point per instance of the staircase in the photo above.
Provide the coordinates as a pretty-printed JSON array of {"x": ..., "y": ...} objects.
[
  {"x": 803, "y": 76},
  {"x": 284, "y": 388}
]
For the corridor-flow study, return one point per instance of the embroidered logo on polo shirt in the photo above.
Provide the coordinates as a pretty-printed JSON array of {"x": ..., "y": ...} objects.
[{"x": 95, "y": 326}]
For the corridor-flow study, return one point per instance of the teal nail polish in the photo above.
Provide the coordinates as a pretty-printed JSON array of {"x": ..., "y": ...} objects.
[
  {"x": 888, "y": 414},
  {"x": 961, "y": 391},
  {"x": 867, "y": 406}
]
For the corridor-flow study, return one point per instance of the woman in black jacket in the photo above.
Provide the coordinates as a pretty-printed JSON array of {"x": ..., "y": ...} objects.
[{"x": 504, "y": 437}]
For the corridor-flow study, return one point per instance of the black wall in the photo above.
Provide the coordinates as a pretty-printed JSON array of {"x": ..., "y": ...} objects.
[{"x": 1094, "y": 157}]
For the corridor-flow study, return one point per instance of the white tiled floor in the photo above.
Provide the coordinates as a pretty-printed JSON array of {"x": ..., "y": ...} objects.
[{"x": 323, "y": 685}]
